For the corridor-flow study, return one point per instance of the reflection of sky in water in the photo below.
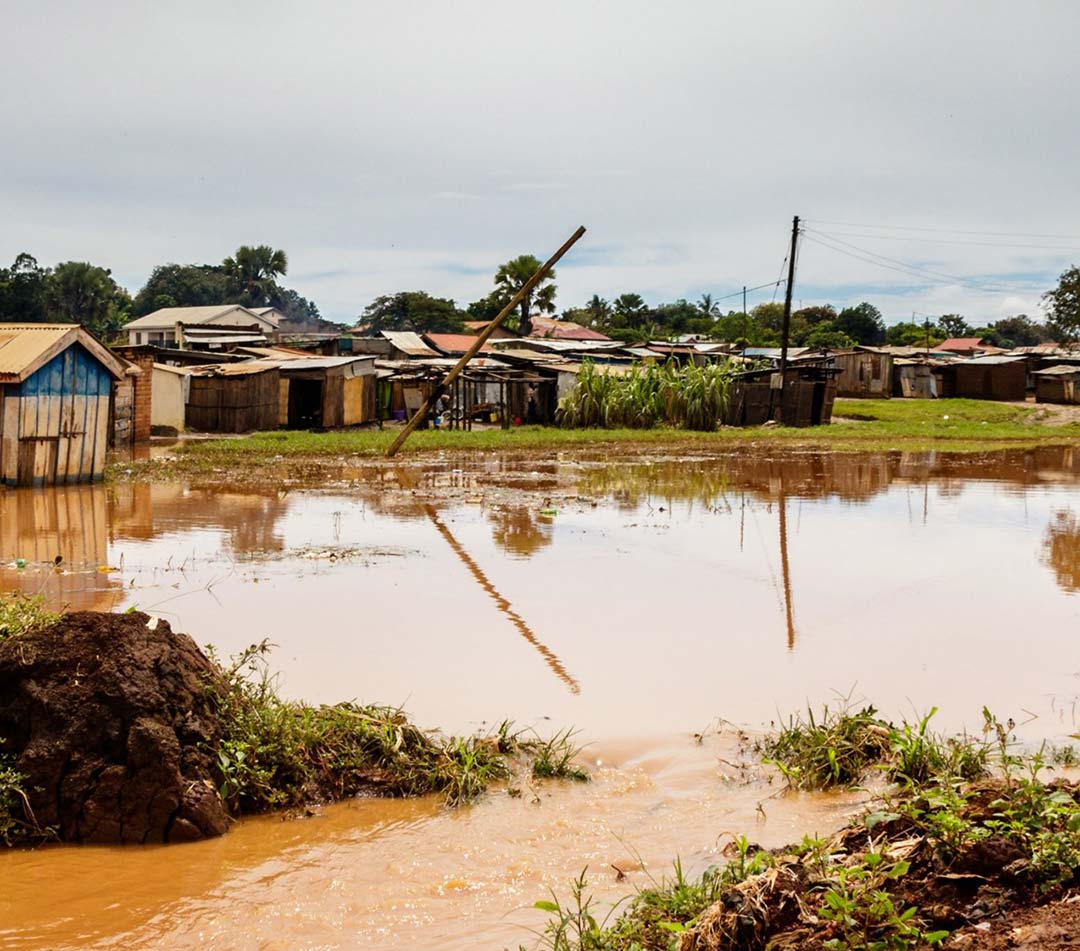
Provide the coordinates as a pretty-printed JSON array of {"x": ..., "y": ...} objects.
[{"x": 667, "y": 609}]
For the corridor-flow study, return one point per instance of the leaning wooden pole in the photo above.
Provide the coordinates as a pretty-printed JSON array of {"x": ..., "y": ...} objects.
[{"x": 421, "y": 414}]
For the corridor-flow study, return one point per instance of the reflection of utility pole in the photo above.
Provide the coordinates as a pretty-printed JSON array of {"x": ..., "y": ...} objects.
[
  {"x": 786, "y": 569},
  {"x": 516, "y": 619}
]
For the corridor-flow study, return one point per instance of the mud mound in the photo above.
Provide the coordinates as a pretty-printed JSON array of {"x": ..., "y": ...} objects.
[
  {"x": 1050, "y": 926},
  {"x": 109, "y": 720}
]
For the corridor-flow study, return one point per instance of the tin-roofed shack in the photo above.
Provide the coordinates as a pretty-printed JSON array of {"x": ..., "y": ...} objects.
[
  {"x": 808, "y": 395},
  {"x": 865, "y": 372},
  {"x": 1002, "y": 378},
  {"x": 324, "y": 392},
  {"x": 1058, "y": 384},
  {"x": 56, "y": 385},
  {"x": 234, "y": 397}
]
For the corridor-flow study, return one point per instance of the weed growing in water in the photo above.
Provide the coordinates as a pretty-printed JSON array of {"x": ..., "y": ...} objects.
[
  {"x": 556, "y": 758},
  {"x": 275, "y": 753},
  {"x": 841, "y": 746},
  {"x": 965, "y": 810}
]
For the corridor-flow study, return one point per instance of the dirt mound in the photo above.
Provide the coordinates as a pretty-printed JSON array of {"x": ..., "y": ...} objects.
[{"x": 108, "y": 718}]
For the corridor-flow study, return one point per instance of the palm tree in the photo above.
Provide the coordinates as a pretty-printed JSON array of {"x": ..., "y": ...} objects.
[
  {"x": 513, "y": 275},
  {"x": 599, "y": 311},
  {"x": 632, "y": 309},
  {"x": 254, "y": 272},
  {"x": 708, "y": 307}
]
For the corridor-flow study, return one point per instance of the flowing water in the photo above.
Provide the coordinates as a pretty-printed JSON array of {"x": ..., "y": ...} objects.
[{"x": 641, "y": 601}]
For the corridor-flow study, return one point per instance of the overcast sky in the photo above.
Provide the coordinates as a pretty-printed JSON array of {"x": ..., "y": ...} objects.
[{"x": 416, "y": 145}]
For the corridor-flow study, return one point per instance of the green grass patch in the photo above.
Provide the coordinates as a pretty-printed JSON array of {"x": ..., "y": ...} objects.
[
  {"x": 278, "y": 754},
  {"x": 839, "y": 746},
  {"x": 20, "y": 614},
  {"x": 912, "y": 425},
  {"x": 927, "y": 857}
]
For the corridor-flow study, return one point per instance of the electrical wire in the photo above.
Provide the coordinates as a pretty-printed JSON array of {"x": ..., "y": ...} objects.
[
  {"x": 904, "y": 267},
  {"x": 1000, "y": 234},
  {"x": 981, "y": 244}
]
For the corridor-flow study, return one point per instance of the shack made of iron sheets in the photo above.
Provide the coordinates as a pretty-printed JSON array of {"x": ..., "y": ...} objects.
[
  {"x": 808, "y": 396},
  {"x": 864, "y": 372},
  {"x": 324, "y": 392},
  {"x": 1059, "y": 384},
  {"x": 992, "y": 378},
  {"x": 56, "y": 383},
  {"x": 234, "y": 397}
]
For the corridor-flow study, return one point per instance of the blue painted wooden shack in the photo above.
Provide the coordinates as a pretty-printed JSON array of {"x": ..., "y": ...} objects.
[{"x": 56, "y": 382}]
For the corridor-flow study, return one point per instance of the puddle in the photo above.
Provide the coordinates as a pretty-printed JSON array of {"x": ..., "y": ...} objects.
[{"x": 637, "y": 599}]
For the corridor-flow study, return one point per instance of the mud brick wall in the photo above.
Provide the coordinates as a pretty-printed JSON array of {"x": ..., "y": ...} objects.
[
  {"x": 123, "y": 413},
  {"x": 143, "y": 386}
]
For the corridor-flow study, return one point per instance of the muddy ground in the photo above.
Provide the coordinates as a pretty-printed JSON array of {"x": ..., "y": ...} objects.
[{"x": 109, "y": 718}]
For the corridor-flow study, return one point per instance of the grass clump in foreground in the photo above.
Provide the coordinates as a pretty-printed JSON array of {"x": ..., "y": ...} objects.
[
  {"x": 969, "y": 830},
  {"x": 277, "y": 754},
  {"x": 20, "y": 614}
]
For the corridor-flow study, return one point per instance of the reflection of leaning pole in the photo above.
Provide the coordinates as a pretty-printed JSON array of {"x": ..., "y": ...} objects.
[
  {"x": 516, "y": 619},
  {"x": 786, "y": 569},
  {"x": 421, "y": 414}
]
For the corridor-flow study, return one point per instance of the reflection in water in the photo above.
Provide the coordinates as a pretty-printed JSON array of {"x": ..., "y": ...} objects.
[
  {"x": 785, "y": 567},
  {"x": 1061, "y": 549},
  {"x": 54, "y": 542},
  {"x": 516, "y": 619},
  {"x": 249, "y": 518},
  {"x": 518, "y": 532}
]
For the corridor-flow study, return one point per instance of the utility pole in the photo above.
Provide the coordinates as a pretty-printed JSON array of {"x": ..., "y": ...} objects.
[
  {"x": 744, "y": 317},
  {"x": 786, "y": 330}
]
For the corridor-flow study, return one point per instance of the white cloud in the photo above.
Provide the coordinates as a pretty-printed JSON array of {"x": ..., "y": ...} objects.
[{"x": 394, "y": 144}]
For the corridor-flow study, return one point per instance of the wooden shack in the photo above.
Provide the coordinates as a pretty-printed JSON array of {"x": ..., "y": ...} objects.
[
  {"x": 324, "y": 392},
  {"x": 914, "y": 379},
  {"x": 808, "y": 396},
  {"x": 865, "y": 372},
  {"x": 56, "y": 385},
  {"x": 992, "y": 378},
  {"x": 234, "y": 397},
  {"x": 1058, "y": 384}
]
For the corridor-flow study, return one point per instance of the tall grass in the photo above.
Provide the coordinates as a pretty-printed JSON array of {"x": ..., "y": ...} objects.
[{"x": 687, "y": 397}]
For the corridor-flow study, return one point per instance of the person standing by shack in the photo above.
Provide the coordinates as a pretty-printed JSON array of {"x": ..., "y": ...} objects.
[{"x": 532, "y": 405}]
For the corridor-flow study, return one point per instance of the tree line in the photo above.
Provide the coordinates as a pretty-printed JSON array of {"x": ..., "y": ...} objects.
[
  {"x": 629, "y": 318},
  {"x": 80, "y": 292},
  {"x": 83, "y": 293}
]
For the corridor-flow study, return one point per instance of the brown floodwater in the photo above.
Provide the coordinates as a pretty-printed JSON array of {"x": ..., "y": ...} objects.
[{"x": 639, "y": 599}]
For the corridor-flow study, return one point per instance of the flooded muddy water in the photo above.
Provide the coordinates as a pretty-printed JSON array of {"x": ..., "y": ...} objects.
[{"x": 640, "y": 600}]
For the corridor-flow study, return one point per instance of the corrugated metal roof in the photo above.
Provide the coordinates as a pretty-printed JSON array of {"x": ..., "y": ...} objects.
[
  {"x": 563, "y": 330},
  {"x": 25, "y": 348},
  {"x": 408, "y": 342},
  {"x": 224, "y": 338},
  {"x": 246, "y": 368},
  {"x": 961, "y": 343},
  {"x": 454, "y": 343},
  {"x": 569, "y": 346},
  {"x": 1059, "y": 370},
  {"x": 168, "y": 316},
  {"x": 322, "y": 363},
  {"x": 994, "y": 360}
]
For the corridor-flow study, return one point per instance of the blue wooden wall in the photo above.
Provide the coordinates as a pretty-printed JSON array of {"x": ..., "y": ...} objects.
[{"x": 56, "y": 423}]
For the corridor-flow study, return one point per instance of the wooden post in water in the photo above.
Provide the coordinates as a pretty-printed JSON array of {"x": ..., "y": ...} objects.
[{"x": 425, "y": 407}]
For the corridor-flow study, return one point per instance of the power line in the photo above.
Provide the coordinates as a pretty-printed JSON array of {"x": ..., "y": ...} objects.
[
  {"x": 981, "y": 244},
  {"x": 904, "y": 267},
  {"x": 999, "y": 234},
  {"x": 738, "y": 293}
]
